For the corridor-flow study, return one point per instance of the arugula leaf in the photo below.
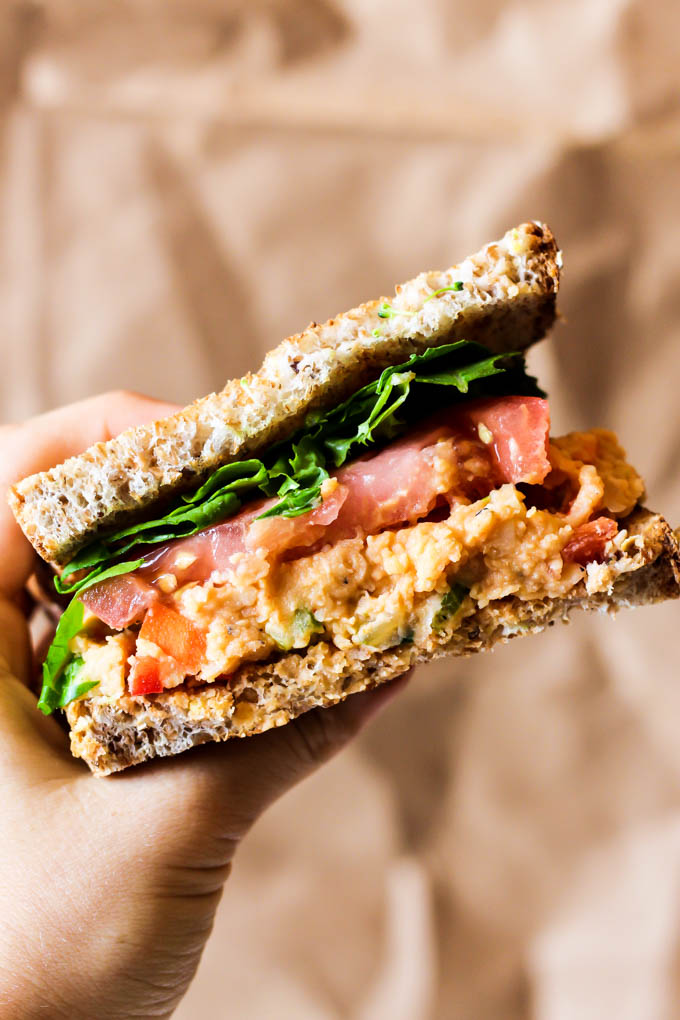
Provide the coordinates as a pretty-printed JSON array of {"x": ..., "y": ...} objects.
[
  {"x": 100, "y": 574},
  {"x": 242, "y": 475},
  {"x": 461, "y": 378},
  {"x": 71, "y": 687},
  {"x": 58, "y": 683},
  {"x": 58, "y": 655},
  {"x": 215, "y": 500}
]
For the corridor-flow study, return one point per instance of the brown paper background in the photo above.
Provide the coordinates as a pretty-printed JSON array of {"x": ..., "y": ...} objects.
[{"x": 184, "y": 183}]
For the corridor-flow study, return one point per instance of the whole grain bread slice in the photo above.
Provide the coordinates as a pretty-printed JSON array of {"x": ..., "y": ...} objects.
[
  {"x": 507, "y": 302},
  {"x": 111, "y": 735}
]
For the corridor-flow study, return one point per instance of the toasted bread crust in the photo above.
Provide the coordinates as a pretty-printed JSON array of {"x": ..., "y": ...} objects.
[
  {"x": 110, "y": 736},
  {"x": 507, "y": 303}
]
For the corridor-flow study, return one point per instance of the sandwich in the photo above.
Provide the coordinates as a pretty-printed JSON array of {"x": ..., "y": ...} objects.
[{"x": 382, "y": 492}]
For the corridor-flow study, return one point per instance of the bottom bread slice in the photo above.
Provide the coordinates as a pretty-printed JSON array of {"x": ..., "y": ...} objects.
[{"x": 112, "y": 735}]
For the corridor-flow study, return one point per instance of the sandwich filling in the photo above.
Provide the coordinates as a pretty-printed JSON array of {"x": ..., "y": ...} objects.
[
  {"x": 403, "y": 546},
  {"x": 470, "y": 504}
]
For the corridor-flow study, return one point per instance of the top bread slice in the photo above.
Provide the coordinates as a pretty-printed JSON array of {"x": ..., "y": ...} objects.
[{"x": 507, "y": 302}]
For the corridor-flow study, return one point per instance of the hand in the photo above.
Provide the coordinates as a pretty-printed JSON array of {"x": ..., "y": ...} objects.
[{"x": 108, "y": 887}]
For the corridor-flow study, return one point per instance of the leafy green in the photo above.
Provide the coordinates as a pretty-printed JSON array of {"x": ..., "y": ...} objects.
[
  {"x": 369, "y": 416},
  {"x": 102, "y": 573},
  {"x": 303, "y": 472},
  {"x": 461, "y": 378},
  {"x": 59, "y": 681},
  {"x": 71, "y": 687},
  {"x": 451, "y": 603},
  {"x": 58, "y": 656},
  {"x": 233, "y": 477}
]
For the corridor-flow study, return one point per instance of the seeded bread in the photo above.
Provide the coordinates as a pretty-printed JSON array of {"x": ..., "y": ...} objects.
[
  {"x": 507, "y": 302},
  {"x": 112, "y": 735}
]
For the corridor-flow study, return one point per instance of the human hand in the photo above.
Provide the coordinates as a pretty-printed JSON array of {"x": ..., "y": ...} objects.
[{"x": 108, "y": 887}]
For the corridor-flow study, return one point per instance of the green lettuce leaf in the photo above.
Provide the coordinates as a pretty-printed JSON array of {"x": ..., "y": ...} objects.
[
  {"x": 71, "y": 686},
  {"x": 462, "y": 377},
  {"x": 58, "y": 656},
  {"x": 58, "y": 683}
]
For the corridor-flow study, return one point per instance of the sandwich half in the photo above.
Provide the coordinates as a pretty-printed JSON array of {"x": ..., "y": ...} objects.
[{"x": 384, "y": 491}]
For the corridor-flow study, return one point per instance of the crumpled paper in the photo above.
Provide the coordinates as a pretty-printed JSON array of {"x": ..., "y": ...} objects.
[{"x": 184, "y": 184}]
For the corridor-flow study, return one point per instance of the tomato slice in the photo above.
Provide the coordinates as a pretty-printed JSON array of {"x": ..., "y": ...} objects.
[
  {"x": 122, "y": 603},
  {"x": 516, "y": 429},
  {"x": 174, "y": 635},
  {"x": 588, "y": 541}
]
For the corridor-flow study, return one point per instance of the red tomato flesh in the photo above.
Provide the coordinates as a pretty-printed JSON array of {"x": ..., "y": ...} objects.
[
  {"x": 131, "y": 590},
  {"x": 145, "y": 676},
  {"x": 516, "y": 429},
  {"x": 588, "y": 541}
]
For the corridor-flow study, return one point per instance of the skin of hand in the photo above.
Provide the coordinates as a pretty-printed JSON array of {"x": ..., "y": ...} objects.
[{"x": 108, "y": 887}]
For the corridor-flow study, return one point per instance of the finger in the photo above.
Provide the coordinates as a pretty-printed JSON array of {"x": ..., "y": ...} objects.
[
  {"x": 268, "y": 765},
  {"x": 15, "y": 642},
  {"x": 49, "y": 439},
  {"x": 34, "y": 747},
  {"x": 41, "y": 587},
  {"x": 26, "y": 601},
  {"x": 220, "y": 791}
]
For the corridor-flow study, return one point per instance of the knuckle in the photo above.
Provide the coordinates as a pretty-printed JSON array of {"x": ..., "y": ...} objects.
[
  {"x": 316, "y": 735},
  {"x": 121, "y": 396},
  {"x": 8, "y": 433}
]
